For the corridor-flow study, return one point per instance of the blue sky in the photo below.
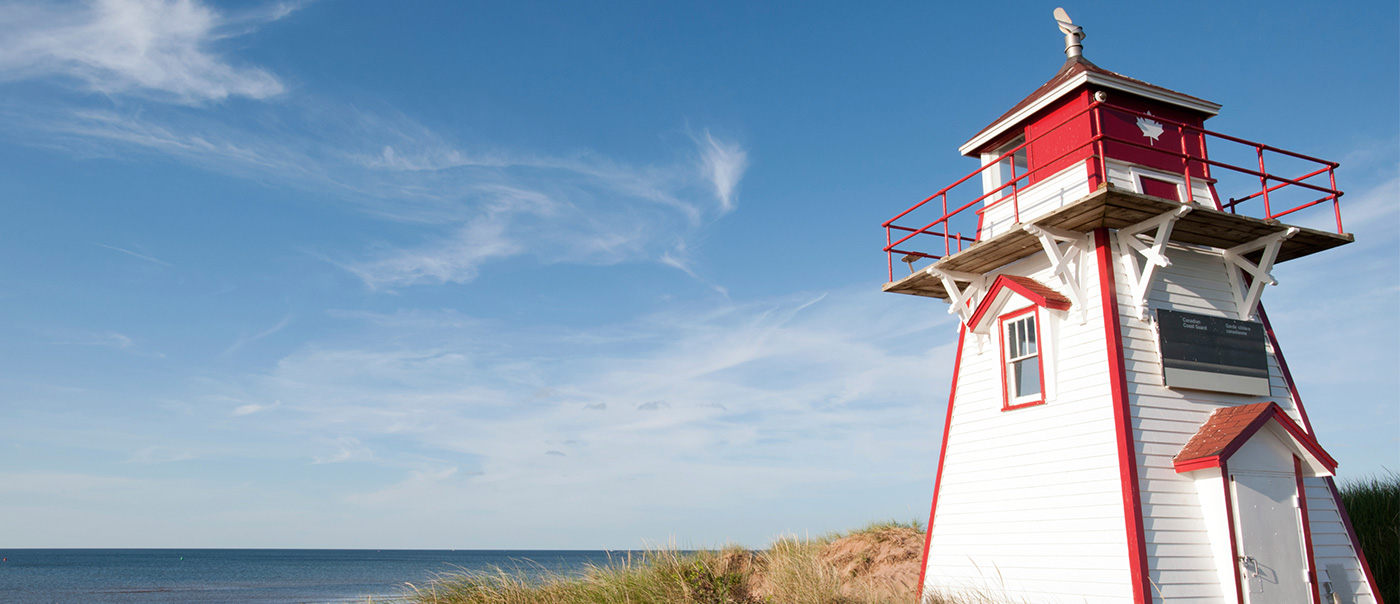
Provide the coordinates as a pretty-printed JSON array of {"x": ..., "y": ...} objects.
[{"x": 568, "y": 275}]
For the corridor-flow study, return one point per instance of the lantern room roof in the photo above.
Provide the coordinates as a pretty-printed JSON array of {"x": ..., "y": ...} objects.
[{"x": 1076, "y": 72}]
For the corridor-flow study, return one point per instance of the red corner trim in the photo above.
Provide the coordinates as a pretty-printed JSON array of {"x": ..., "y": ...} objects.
[
  {"x": 1007, "y": 282},
  {"x": 1214, "y": 461},
  {"x": 1276, "y": 413},
  {"x": 942, "y": 455},
  {"x": 1122, "y": 420},
  {"x": 1283, "y": 367},
  {"x": 1307, "y": 531},
  {"x": 1230, "y": 522},
  {"x": 1355, "y": 543},
  {"x": 1331, "y": 483}
]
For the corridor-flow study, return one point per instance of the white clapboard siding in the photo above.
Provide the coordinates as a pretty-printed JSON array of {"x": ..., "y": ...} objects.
[
  {"x": 1029, "y": 507},
  {"x": 1164, "y": 419},
  {"x": 1064, "y": 187},
  {"x": 1333, "y": 551}
]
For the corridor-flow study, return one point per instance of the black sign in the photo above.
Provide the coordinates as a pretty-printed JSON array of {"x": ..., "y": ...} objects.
[{"x": 1195, "y": 342}]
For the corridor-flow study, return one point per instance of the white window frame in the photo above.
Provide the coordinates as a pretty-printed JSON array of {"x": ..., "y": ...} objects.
[
  {"x": 1136, "y": 173},
  {"x": 1000, "y": 173}
]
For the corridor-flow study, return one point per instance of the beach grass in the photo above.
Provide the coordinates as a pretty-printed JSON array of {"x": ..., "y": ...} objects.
[
  {"x": 843, "y": 568},
  {"x": 1373, "y": 504}
]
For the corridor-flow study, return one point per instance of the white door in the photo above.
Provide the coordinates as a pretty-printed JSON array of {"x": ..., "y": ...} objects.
[{"x": 1268, "y": 527}]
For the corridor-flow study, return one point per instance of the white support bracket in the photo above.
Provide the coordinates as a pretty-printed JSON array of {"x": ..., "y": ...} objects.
[
  {"x": 1246, "y": 299},
  {"x": 964, "y": 300},
  {"x": 1154, "y": 255},
  {"x": 1067, "y": 264}
]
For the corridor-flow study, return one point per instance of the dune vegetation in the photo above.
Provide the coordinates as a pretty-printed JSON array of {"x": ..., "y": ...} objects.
[{"x": 878, "y": 564}]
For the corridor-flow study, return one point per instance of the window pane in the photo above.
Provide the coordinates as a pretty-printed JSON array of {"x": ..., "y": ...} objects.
[
  {"x": 1020, "y": 338},
  {"x": 1027, "y": 376},
  {"x": 1029, "y": 328}
]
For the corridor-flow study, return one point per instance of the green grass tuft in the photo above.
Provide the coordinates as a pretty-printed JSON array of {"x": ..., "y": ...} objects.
[
  {"x": 875, "y": 527},
  {"x": 662, "y": 576},
  {"x": 1373, "y": 503}
]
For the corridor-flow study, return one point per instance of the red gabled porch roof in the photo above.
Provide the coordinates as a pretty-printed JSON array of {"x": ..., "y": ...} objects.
[
  {"x": 1228, "y": 428},
  {"x": 1038, "y": 293}
]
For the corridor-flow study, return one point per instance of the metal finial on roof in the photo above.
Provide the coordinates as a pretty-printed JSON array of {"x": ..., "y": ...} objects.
[{"x": 1073, "y": 34}]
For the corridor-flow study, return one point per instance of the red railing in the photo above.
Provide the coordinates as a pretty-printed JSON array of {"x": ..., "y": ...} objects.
[{"x": 1273, "y": 190}]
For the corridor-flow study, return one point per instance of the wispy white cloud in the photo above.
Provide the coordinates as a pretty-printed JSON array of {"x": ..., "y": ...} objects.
[
  {"x": 245, "y": 339},
  {"x": 252, "y": 408},
  {"x": 110, "y": 339},
  {"x": 419, "y": 483},
  {"x": 435, "y": 157},
  {"x": 452, "y": 259},
  {"x": 64, "y": 336},
  {"x": 724, "y": 164},
  {"x": 582, "y": 210},
  {"x": 476, "y": 202},
  {"x": 150, "y": 259},
  {"x": 156, "y": 48},
  {"x": 159, "y": 454},
  {"x": 472, "y": 209},
  {"x": 347, "y": 448},
  {"x": 734, "y": 403}
]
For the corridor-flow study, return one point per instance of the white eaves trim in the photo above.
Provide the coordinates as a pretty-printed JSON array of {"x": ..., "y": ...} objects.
[{"x": 1165, "y": 96}]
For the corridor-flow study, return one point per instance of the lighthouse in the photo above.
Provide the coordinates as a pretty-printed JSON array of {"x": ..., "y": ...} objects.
[{"x": 1122, "y": 425}]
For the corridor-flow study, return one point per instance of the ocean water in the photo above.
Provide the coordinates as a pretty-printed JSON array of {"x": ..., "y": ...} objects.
[{"x": 252, "y": 576}]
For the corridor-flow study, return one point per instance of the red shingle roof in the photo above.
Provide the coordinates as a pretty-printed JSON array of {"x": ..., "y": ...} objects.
[
  {"x": 1229, "y": 427},
  {"x": 1073, "y": 67},
  {"x": 1035, "y": 289},
  {"x": 1224, "y": 426},
  {"x": 1038, "y": 293}
]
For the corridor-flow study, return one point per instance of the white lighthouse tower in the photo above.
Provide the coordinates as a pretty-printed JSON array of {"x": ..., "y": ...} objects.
[{"x": 1122, "y": 426}]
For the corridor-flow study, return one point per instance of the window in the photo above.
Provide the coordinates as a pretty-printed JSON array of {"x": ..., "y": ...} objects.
[
  {"x": 997, "y": 179},
  {"x": 1015, "y": 165},
  {"x": 1157, "y": 187},
  {"x": 1022, "y": 379}
]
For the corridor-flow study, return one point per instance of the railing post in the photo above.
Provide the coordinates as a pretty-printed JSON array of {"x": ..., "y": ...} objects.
[
  {"x": 1336, "y": 199},
  {"x": 889, "y": 254},
  {"x": 1186, "y": 159},
  {"x": 1015, "y": 199},
  {"x": 1263, "y": 181},
  {"x": 947, "y": 249},
  {"x": 1095, "y": 131}
]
